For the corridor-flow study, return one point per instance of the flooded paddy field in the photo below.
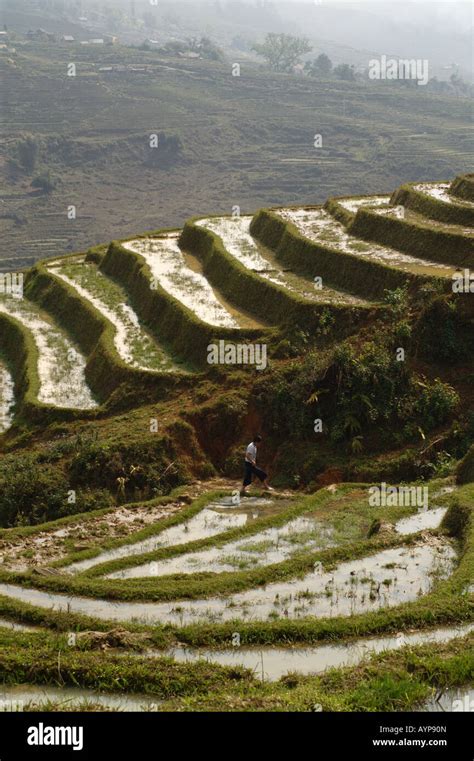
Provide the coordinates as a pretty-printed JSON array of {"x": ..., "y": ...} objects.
[
  {"x": 440, "y": 192},
  {"x": 235, "y": 235},
  {"x": 272, "y": 545},
  {"x": 305, "y": 533},
  {"x": 5, "y": 623},
  {"x": 354, "y": 204},
  {"x": 61, "y": 365},
  {"x": 18, "y": 553},
  {"x": 27, "y": 697},
  {"x": 183, "y": 280},
  {"x": 317, "y": 225},
  {"x": 424, "y": 519},
  {"x": 212, "y": 520},
  {"x": 133, "y": 343},
  {"x": 378, "y": 581},
  {"x": 271, "y": 663},
  {"x": 154, "y": 638},
  {"x": 457, "y": 699}
]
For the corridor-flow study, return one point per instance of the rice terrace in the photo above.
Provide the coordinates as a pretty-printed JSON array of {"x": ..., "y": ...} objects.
[{"x": 135, "y": 572}]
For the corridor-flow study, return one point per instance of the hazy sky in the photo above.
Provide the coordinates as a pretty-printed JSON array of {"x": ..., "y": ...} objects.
[{"x": 452, "y": 11}]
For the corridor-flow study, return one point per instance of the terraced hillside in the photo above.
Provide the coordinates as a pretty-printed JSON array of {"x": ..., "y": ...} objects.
[{"x": 134, "y": 374}]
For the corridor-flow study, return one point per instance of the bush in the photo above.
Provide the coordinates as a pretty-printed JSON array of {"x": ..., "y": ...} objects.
[
  {"x": 147, "y": 470},
  {"x": 26, "y": 153},
  {"x": 439, "y": 333},
  {"x": 320, "y": 67},
  {"x": 206, "y": 49},
  {"x": 31, "y": 492},
  {"x": 45, "y": 181},
  {"x": 364, "y": 390},
  {"x": 436, "y": 403},
  {"x": 456, "y": 519}
]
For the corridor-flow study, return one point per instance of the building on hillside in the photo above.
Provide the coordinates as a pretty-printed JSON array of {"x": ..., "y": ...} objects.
[
  {"x": 97, "y": 41},
  {"x": 110, "y": 39},
  {"x": 68, "y": 38}
]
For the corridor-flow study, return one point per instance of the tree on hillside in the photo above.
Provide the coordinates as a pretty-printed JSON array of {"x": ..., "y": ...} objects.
[
  {"x": 320, "y": 66},
  {"x": 27, "y": 153},
  {"x": 282, "y": 51}
]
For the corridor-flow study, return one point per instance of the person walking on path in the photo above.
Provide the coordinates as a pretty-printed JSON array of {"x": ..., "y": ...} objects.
[{"x": 250, "y": 465}]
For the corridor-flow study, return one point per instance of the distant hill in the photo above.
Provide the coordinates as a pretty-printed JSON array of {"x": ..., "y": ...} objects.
[{"x": 246, "y": 141}]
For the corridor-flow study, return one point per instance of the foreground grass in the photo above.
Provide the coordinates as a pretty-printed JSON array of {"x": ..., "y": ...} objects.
[
  {"x": 396, "y": 681},
  {"x": 40, "y": 660},
  {"x": 384, "y": 682}
]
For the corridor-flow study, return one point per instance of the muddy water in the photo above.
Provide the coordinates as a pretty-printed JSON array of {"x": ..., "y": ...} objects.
[
  {"x": 273, "y": 545},
  {"x": 317, "y": 225},
  {"x": 385, "y": 579},
  {"x": 61, "y": 366},
  {"x": 5, "y": 623},
  {"x": 7, "y": 398},
  {"x": 353, "y": 204},
  {"x": 168, "y": 265},
  {"x": 410, "y": 215},
  {"x": 132, "y": 342},
  {"x": 400, "y": 212},
  {"x": 458, "y": 699},
  {"x": 244, "y": 319},
  {"x": 26, "y": 697},
  {"x": 271, "y": 663},
  {"x": 212, "y": 520},
  {"x": 264, "y": 548},
  {"x": 234, "y": 232},
  {"x": 235, "y": 235},
  {"x": 425, "y": 519}
]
